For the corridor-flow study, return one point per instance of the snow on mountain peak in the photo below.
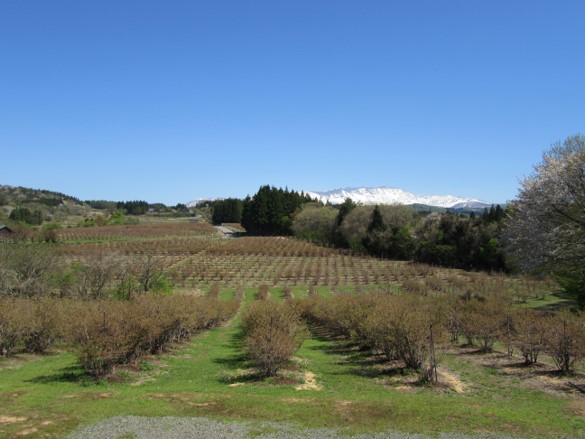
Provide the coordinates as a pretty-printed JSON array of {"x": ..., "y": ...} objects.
[{"x": 391, "y": 195}]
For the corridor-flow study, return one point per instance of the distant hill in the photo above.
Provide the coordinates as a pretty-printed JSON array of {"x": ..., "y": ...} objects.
[
  {"x": 17, "y": 196},
  {"x": 390, "y": 195},
  {"x": 51, "y": 205}
]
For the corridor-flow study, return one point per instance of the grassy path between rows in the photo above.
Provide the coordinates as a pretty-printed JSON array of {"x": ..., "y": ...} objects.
[{"x": 208, "y": 377}]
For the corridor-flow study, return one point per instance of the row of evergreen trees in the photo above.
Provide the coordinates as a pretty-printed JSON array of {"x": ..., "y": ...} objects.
[
  {"x": 133, "y": 207},
  {"x": 270, "y": 211},
  {"x": 227, "y": 211}
]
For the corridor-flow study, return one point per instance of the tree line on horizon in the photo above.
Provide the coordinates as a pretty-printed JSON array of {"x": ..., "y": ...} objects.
[
  {"x": 392, "y": 232},
  {"x": 400, "y": 233},
  {"x": 541, "y": 233}
]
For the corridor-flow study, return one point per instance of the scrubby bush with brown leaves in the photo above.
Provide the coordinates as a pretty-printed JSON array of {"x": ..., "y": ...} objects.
[
  {"x": 41, "y": 324},
  {"x": 104, "y": 336},
  {"x": 530, "y": 332},
  {"x": 397, "y": 327},
  {"x": 565, "y": 340},
  {"x": 239, "y": 294},
  {"x": 213, "y": 291},
  {"x": 273, "y": 333},
  {"x": 10, "y": 326},
  {"x": 263, "y": 292},
  {"x": 407, "y": 328},
  {"x": 32, "y": 325},
  {"x": 482, "y": 321},
  {"x": 28, "y": 271},
  {"x": 109, "y": 332},
  {"x": 343, "y": 315},
  {"x": 287, "y": 292}
]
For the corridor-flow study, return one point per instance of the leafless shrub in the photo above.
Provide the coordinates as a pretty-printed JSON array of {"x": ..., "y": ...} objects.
[
  {"x": 273, "y": 333},
  {"x": 102, "y": 336},
  {"x": 11, "y": 331},
  {"x": 482, "y": 322},
  {"x": 398, "y": 327},
  {"x": 213, "y": 291},
  {"x": 287, "y": 293},
  {"x": 95, "y": 278},
  {"x": 28, "y": 270},
  {"x": 112, "y": 332},
  {"x": 239, "y": 296},
  {"x": 263, "y": 292},
  {"x": 565, "y": 341},
  {"x": 530, "y": 334},
  {"x": 41, "y": 324}
]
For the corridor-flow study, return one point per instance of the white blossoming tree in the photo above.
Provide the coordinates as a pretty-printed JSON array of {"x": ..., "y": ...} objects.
[{"x": 546, "y": 227}]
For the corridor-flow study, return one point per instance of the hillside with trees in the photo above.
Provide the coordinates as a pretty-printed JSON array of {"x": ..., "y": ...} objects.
[{"x": 401, "y": 233}]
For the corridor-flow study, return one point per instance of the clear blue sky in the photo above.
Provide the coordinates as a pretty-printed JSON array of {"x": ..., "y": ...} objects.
[{"x": 169, "y": 101}]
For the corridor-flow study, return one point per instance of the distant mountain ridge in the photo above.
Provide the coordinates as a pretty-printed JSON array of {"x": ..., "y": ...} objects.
[{"x": 391, "y": 195}]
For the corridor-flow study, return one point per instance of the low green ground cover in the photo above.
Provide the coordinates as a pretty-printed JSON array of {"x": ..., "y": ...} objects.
[{"x": 329, "y": 383}]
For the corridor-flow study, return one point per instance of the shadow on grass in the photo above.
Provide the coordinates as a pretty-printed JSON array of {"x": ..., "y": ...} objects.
[
  {"x": 555, "y": 373},
  {"x": 239, "y": 367},
  {"x": 243, "y": 377},
  {"x": 362, "y": 361},
  {"x": 389, "y": 370},
  {"x": 524, "y": 365},
  {"x": 70, "y": 374},
  {"x": 237, "y": 361},
  {"x": 566, "y": 301}
]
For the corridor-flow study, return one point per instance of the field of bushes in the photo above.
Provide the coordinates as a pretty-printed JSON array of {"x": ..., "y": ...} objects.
[{"x": 173, "y": 319}]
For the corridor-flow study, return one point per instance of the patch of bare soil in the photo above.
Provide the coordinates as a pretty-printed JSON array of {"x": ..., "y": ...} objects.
[
  {"x": 150, "y": 376},
  {"x": 310, "y": 382},
  {"x": 296, "y": 400},
  {"x": 344, "y": 408},
  {"x": 12, "y": 363},
  {"x": 359, "y": 413},
  {"x": 8, "y": 420},
  {"x": 539, "y": 376},
  {"x": 403, "y": 388},
  {"x": 27, "y": 431},
  {"x": 143, "y": 380},
  {"x": 284, "y": 380},
  {"x": 403, "y": 383},
  {"x": 91, "y": 395},
  {"x": 184, "y": 399},
  {"x": 233, "y": 378},
  {"x": 105, "y": 395},
  {"x": 452, "y": 381},
  {"x": 10, "y": 395},
  {"x": 576, "y": 407},
  {"x": 27, "y": 426}
]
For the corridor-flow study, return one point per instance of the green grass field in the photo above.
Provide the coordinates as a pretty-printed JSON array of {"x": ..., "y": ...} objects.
[{"x": 329, "y": 383}]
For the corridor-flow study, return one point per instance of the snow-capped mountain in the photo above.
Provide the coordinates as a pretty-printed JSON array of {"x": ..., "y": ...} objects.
[
  {"x": 200, "y": 200},
  {"x": 390, "y": 195}
]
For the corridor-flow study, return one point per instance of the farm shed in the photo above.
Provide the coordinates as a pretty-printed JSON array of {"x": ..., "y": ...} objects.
[{"x": 5, "y": 230}]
